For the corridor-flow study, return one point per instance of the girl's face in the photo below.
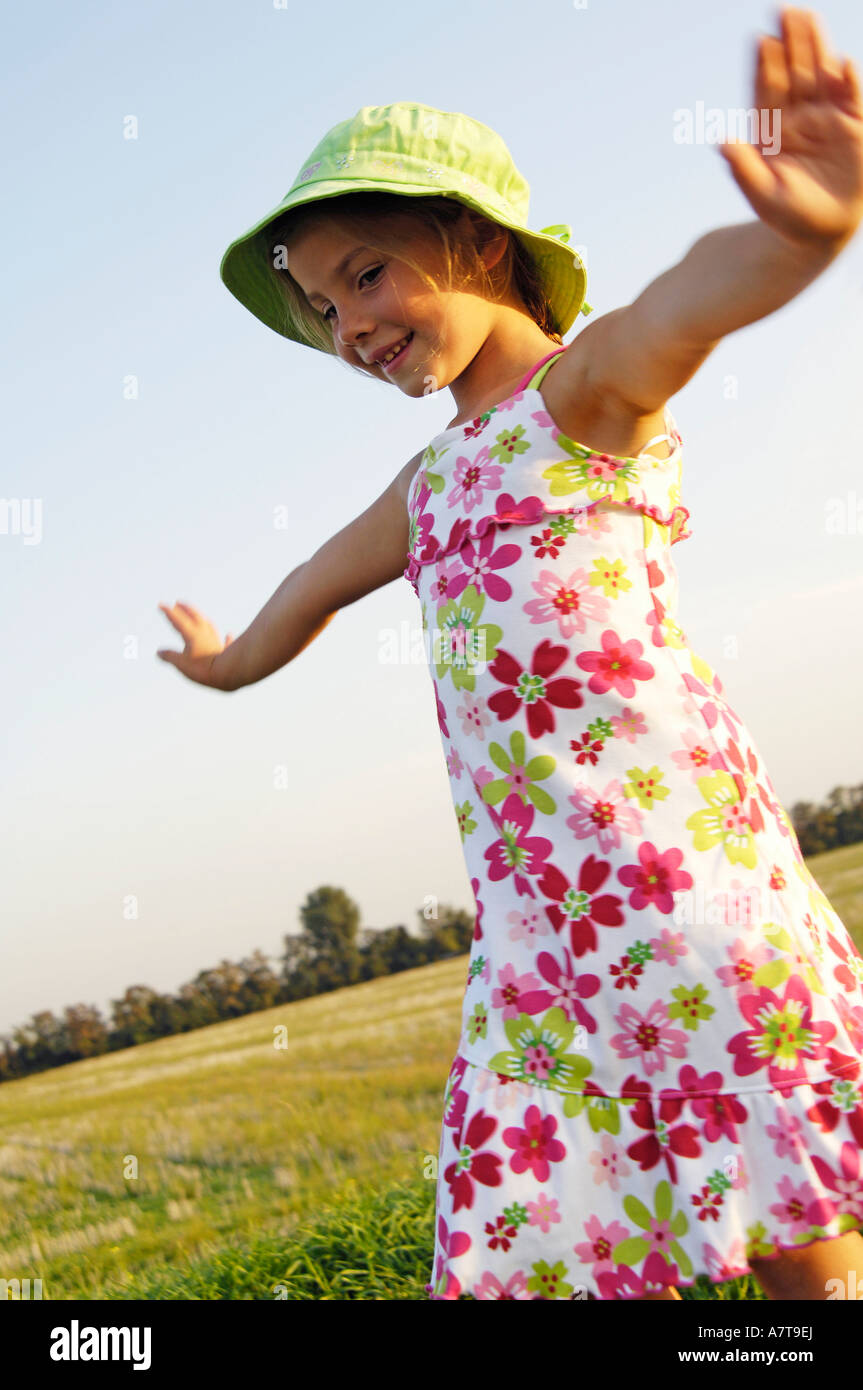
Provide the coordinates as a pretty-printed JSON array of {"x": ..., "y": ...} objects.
[{"x": 373, "y": 302}]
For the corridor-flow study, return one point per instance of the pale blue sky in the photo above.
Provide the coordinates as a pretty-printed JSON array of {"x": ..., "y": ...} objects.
[{"x": 121, "y": 778}]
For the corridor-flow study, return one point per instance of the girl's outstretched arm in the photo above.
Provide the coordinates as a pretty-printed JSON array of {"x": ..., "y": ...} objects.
[{"x": 809, "y": 200}]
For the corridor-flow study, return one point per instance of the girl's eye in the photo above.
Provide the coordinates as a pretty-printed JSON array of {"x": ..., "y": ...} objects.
[{"x": 375, "y": 270}]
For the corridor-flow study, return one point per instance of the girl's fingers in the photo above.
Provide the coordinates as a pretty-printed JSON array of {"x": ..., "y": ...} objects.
[
  {"x": 828, "y": 71},
  {"x": 772, "y": 84},
  {"x": 192, "y": 612},
  {"x": 178, "y": 622},
  {"x": 851, "y": 84},
  {"x": 797, "y": 26}
]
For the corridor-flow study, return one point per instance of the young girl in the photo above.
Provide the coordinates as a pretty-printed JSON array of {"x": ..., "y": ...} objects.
[{"x": 659, "y": 1070}]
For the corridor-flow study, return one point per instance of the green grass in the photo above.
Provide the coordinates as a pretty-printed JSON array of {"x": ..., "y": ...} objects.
[{"x": 216, "y": 1165}]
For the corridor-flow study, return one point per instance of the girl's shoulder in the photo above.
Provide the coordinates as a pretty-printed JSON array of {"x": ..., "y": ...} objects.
[{"x": 599, "y": 421}]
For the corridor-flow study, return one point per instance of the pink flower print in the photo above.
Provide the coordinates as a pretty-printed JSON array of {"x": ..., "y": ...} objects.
[
  {"x": 659, "y": 1273},
  {"x": 601, "y": 1240},
  {"x": 474, "y": 1164},
  {"x": 454, "y": 764},
  {"x": 473, "y": 715},
  {"x": 452, "y": 1246},
  {"x": 618, "y": 666},
  {"x": 568, "y": 602},
  {"x": 544, "y": 1213},
  {"x": 713, "y": 707},
  {"x": 547, "y": 544},
  {"x": 527, "y": 926},
  {"x": 781, "y": 1035},
  {"x": 532, "y": 692},
  {"x": 482, "y": 776},
  {"x": 852, "y": 1021},
  {"x": 446, "y": 577},
  {"x": 515, "y": 992},
  {"x": 669, "y": 946},
  {"x": 441, "y": 711},
  {"x": 603, "y": 814},
  {"x": 649, "y": 1037},
  {"x": 628, "y": 725},
  {"x": 480, "y": 562},
  {"x": 566, "y": 989},
  {"x": 516, "y": 849},
  {"x": 745, "y": 960},
  {"x": 577, "y": 907},
  {"x": 473, "y": 478},
  {"x": 699, "y": 757},
  {"x": 655, "y": 878},
  {"x": 490, "y": 1287},
  {"x": 721, "y": 1114},
  {"x": 717, "y": 1269},
  {"x": 848, "y": 1183},
  {"x": 739, "y": 908},
  {"x": 800, "y": 1208},
  {"x": 786, "y": 1135},
  {"x": 610, "y": 1163},
  {"x": 505, "y": 1092},
  {"x": 747, "y": 785},
  {"x": 501, "y": 1233},
  {"x": 837, "y": 1107},
  {"x": 534, "y": 1145},
  {"x": 665, "y": 1138}
]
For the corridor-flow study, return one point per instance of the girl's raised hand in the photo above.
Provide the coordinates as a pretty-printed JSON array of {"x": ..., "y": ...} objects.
[
  {"x": 812, "y": 190},
  {"x": 203, "y": 644}
]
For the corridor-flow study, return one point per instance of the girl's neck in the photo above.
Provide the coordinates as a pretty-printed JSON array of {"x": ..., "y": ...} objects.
[{"x": 493, "y": 393}]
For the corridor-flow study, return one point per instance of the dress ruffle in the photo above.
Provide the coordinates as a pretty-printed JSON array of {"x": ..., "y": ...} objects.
[{"x": 676, "y": 1189}]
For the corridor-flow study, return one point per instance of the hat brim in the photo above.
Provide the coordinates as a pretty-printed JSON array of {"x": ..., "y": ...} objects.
[{"x": 246, "y": 272}]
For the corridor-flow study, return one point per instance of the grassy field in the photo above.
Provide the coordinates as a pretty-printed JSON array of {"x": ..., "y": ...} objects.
[{"x": 261, "y": 1171}]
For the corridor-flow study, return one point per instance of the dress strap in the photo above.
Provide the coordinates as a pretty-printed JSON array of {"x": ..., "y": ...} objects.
[{"x": 532, "y": 378}]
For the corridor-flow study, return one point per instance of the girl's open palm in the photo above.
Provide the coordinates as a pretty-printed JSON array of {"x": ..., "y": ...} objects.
[
  {"x": 812, "y": 190},
  {"x": 203, "y": 643}
]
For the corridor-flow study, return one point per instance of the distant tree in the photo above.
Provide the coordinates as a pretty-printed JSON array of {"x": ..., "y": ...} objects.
[
  {"x": 140, "y": 1015},
  {"x": 86, "y": 1033},
  {"x": 261, "y": 987}
]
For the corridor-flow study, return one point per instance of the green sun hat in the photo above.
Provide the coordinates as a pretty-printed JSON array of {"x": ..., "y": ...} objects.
[{"x": 417, "y": 151}]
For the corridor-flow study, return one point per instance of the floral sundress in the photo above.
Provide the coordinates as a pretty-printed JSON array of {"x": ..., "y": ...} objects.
[{"x": 660, "y": 1067}]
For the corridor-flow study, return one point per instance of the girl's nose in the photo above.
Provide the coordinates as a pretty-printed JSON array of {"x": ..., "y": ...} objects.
[{"x": 356, "y": 327}]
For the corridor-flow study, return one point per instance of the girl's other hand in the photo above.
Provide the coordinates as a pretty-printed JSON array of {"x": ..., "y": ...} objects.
[
  {"x": 203, "y": 644},
  {"x": 811, "y": 191}
]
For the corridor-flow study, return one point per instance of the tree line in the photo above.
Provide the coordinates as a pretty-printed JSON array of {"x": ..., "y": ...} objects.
[{"x": 329, "y": 952}]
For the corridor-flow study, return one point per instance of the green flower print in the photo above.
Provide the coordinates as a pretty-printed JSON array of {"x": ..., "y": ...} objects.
[
  {"x": 516, "y": 1215},
  {"x": 756, "y": 1244},
  {"x": 466, "y": 826},
  {"x": 434, "y": 480},
  {"x": 600, "y": 728},
  {"x": 477, "y": 966},
  {"x": 519, "y": 776},
  {"x": 640, "y": 952},
  {"x": 774, "y": 973},
  {"x": 477, "y": 1025},
  {"x": 539, "y": 1054},
  {"x": 603, "y": 1112},
  {"x": 508, "y": 444},
  {"x": 690, "y": 1006},
  {"x": 660, "y": 1231},
  {"x": 610, "y": 577},
  {"x": 461, "y": 641},
  {"x": 646, "y": 787},
  {"x": 724, "y": 821},
  {"x": 562, "y": 524},
  {"x": 609, "y": 483},
  {"x": 548, "y": 1280}
]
